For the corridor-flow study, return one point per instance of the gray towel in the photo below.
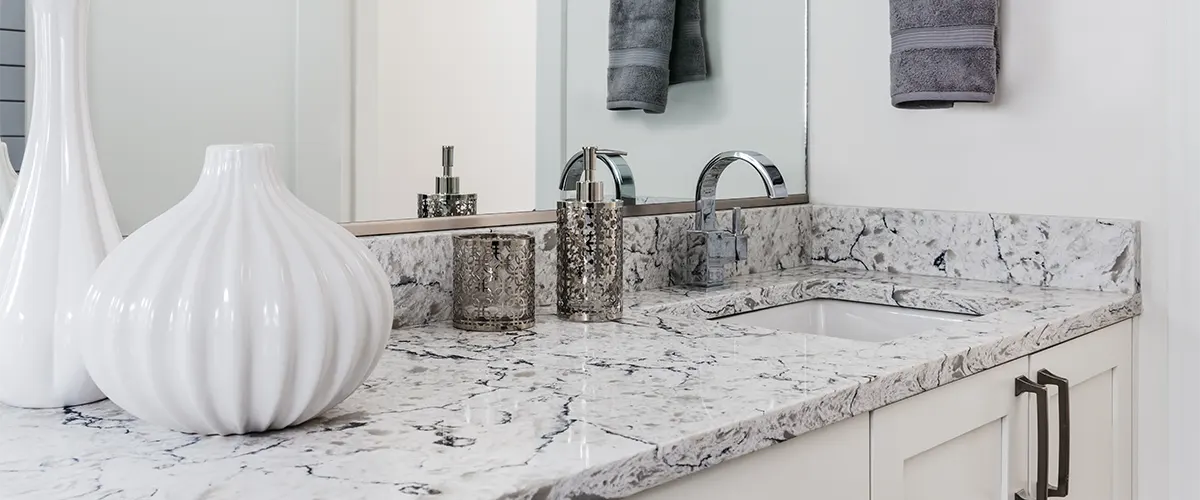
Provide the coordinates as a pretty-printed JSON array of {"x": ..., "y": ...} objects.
[
  {"x": 689, "y": 61},
  {"x": 943, "y": 52},
  {"x": 652, "y": 45}
]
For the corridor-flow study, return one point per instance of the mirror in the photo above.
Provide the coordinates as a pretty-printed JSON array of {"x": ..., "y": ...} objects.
[{"x": 360, "y": 96}]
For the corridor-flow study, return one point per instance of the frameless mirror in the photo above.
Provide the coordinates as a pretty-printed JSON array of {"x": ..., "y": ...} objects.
[{"x": 360, "y": 96}]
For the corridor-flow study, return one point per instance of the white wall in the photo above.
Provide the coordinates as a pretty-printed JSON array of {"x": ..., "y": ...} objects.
[
  {"x": 1183, "y": 245},
  {"x": 434, "y": 73},
  {"x": 753, "y": 99},
  {"x": 1078, "y": 129},
  {"x": 170, "y": 78}
]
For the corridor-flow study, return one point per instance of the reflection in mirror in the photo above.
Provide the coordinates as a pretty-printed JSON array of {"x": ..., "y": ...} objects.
[
  {"x": 753, "y": 98},
  {"x": 447, "y": 200},
  {"x": 361, "y": 96}
]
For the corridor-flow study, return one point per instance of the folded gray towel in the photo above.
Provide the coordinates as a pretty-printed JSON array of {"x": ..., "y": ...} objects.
[
  {"x": 943, "y": 52},
  {"x": 652, "y": 45}
]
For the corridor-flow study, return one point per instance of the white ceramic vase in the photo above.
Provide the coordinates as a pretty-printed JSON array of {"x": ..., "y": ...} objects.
[
  {"x": 8, "y": 181},
  {"x": 61, "y": 224},
  {"x": 238, "y": 310}
]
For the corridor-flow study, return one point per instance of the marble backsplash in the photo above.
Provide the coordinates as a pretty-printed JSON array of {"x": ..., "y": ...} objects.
[
  {"x": 1079, "y": 253},
  {"x": 1061, "y": 252},
  {"x": 419, "y": 265}
]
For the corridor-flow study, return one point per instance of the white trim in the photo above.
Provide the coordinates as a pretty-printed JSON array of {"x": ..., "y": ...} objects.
[
  {"x": 349, "y": 174},
  {"x": 1183, "y": 248},
  {"x": 551, "y": 108},
  {"x": 365, "y": 61},
  {"x": 324, "y": 102}
]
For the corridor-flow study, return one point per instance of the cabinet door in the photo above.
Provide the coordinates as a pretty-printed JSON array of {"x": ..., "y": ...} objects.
[
  {"x": 964, "y": 441},
  {"x": 831, "y": 463},
  {"x": 1098, "y": 368}
]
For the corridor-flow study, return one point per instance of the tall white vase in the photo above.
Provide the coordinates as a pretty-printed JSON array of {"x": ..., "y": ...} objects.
[
  {"x": 61, "y": 224},
  {"x": 8, "y": 181},
  {"x": 238, "y": 310}
]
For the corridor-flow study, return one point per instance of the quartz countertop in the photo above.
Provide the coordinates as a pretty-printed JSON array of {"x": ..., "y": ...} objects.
[{"x": 564, "y": 411}]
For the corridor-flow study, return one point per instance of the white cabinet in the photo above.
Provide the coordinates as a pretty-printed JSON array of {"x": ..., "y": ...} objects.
[
  {"x": 1099, "y": 370},
  {"x": 964, "y": 441},
  {"x": 831, "y": 463},
  {"x": 974, "y": 439},
  {"x": 978, "y": 439}
]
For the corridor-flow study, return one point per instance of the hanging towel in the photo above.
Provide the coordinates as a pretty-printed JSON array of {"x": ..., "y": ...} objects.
[
  {"x": 652, "y": 45},
  {"x": 689, "y": 61},
  {"x": 943, "y": 52}
]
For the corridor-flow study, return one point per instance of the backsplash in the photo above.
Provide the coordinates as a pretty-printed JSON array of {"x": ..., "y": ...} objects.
[
  {"x": 1080, "y": 253},
  {"x": 420, "y": 265},
  {"x": 1063, "y": 252}
]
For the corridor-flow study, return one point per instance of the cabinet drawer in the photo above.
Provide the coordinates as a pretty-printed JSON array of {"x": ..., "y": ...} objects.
[
  {"x": 963, "y": 441},
  {"x": 1099, "y": 370}
]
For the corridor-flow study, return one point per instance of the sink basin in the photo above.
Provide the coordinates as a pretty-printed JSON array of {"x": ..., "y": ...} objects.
[{"x": 847, "y": 320}]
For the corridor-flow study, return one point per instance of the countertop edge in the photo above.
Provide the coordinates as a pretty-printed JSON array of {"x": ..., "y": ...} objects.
[{"x": 838, "y": 403}]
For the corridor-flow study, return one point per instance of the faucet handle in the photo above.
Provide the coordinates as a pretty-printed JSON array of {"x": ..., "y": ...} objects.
[
  {"x": 611, "y": 152},
  {"x": 741, "y": 243}
]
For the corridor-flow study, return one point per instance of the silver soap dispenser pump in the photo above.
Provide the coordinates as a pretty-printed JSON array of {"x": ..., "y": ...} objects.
[
  {"x": 446, "y": 201},
  {"x": 591, "y": 254}
]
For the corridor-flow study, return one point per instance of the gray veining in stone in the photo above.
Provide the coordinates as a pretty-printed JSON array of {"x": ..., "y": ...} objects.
[
  {"x": 420, "y": 265},
  {"x": 1066, "y": 252},
  {"x": 565, "y": 410},
  {"x": 1091, "y": 254}
]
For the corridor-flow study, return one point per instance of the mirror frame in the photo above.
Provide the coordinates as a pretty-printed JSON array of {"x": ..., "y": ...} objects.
[{"x": 408, "y": 226}]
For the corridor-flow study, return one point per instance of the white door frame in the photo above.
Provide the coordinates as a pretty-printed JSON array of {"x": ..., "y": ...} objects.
[
  {"x": 325, "y": 106},
  {"x": 365, "y": 120},
  {"x": 551, "y": 91},
  {"x": 1183, "y": 248}
]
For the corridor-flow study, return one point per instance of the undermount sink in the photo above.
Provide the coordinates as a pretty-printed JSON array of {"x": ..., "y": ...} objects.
[{"x": 847, "y": 320}]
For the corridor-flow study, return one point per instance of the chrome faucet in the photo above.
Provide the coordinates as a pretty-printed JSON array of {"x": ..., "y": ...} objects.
[
  {"x": 611, "y": 158},
  {"x": 710, "y": 249}
]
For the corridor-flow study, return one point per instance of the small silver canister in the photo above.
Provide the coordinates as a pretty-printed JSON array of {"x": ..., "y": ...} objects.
[
  {"x": 591, "y": 255},
  {"x": 494, "y": 282}
]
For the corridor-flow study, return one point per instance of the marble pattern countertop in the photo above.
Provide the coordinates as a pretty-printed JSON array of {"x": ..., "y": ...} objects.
[{"x": 565, "y": 411}]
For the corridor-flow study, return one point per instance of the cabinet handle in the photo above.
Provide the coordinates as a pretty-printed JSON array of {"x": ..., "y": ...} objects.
[
  {"x": 1042, "y": 487},
  {"x": 1064, "y": 430}
]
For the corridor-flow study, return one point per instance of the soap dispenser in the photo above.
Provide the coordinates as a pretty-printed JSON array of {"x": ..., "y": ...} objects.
[
  {"x": 446, "y": 201},
  {"x": 591, "y": 255}
]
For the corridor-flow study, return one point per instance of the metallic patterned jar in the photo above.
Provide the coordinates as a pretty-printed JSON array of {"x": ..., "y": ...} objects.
[
  {"x": 446, "y": 201},
  {"x": 430, "y": 206},
  {"x": 494, "y": 282},
  {"x": 591, "y": 261},
  {"x": 591, "y": 253}
]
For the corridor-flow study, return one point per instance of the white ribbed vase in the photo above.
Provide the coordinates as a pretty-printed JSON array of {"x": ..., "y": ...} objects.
[
  {"x": 238, "y": 310},
  {"x": 60, "y": 225}
]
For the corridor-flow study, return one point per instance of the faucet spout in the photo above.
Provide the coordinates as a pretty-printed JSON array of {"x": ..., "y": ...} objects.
[
  {"x": 706, "y": 188},
  {"x": 708, "y": 249},
  {"x": 626, "y": 189}
]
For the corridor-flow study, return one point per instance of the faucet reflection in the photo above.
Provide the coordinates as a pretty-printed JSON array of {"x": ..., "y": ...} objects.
[{"x": 626, "y": 190}]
